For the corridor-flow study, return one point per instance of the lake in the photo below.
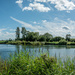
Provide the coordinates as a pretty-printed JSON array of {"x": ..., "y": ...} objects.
[{"x": 53, "y": 50}]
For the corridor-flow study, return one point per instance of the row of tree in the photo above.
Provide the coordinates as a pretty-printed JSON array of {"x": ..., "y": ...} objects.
[{"x": 34, "y": 36}]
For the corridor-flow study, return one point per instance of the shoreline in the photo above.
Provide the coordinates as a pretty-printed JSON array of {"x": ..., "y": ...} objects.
[{"x": 35, "y": 43}]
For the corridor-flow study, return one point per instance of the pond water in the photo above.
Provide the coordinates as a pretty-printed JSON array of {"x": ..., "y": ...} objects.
[{"x": 52, "y": 50}]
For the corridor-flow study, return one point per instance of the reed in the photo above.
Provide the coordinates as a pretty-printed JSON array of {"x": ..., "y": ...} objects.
[{"x": 23, "y": 64}]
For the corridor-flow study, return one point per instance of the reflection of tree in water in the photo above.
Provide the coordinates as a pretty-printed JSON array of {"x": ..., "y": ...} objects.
[
  {"x": 35, "y": 50},
  {"x": 42, "y": 50},
  {"x": 17, "y": 48},
  {"x": 23, "y": 47},
  {"x": 39, "y": 50},
  {"x": 48, "y": 50},
  {"x": 26, "y": 49},
  {"x": 29, "y": 50}
]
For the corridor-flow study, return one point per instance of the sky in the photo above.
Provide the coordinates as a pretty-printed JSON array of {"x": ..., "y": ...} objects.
[{"x": 56, "y": 17}]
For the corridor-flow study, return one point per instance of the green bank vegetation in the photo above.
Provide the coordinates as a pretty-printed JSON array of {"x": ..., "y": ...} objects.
[
  {"x": 34, "y": 38},
  {"x": 23, "y": 64},
  {"x": 18, "y": 42}
]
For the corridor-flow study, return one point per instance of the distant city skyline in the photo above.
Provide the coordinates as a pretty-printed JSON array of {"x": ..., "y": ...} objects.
[{"x": 56, "y": 17}]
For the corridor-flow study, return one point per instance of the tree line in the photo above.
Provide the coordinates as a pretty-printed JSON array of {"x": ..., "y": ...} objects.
[{"x": 34, "y": 36}]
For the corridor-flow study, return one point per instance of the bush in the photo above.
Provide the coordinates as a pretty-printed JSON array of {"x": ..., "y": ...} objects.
[
  {"x": 72, "y": 40},
  {"x": 62, "y": 42},
  {"x": 72, "y": 43}
]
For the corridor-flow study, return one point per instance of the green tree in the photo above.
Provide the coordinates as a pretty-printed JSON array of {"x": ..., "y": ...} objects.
[
  {"x": 68, "y": 37},
  {"x": 42, "y": 38},
  {"x": 36, "y": 36},
  {"x": 17, "y": 33},
  {"x": 32, "y": 36},
  {"x": 29, "y": 36},
  {"x": 23, "y": 33},
  {"x": 72, "y": 39},
  {"x": 48, "y": 36},
  {"x": 57, "y": 38}
]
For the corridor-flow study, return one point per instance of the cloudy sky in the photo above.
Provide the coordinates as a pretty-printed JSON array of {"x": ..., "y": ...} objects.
[{"x": 56, "y": 17}]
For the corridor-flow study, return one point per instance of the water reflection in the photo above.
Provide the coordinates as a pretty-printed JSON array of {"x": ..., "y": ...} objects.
[{"x": 56, "y": 51}]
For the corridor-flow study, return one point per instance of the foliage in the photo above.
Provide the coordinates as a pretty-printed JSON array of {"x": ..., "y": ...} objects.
[
  {"x": 62, "y": 42},
  {"x": 72, "y": 40},
  {"x": 42, "y": 38},
  {"x": 72, "y": 43},
  {"x": 23, "y": 64},
  {"x": 48, "y": 36},
  {"x": 17, "y": 33},
  {"x": 51, "y": 43},
  {"x": 23, "y": 33},
  {"x": 3, "y": 42},
  {"x": 68, "y": 37},
  {"x": 57, "y": 38},
  {"x": 32, "y": 36}
]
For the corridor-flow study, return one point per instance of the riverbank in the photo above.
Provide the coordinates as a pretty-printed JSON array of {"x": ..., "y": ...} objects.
[
  {"x": 36, "y": 43},
  {"x": 23, "y": 64}
]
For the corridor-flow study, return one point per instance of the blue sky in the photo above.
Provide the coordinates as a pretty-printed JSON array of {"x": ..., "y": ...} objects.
[{"x": 56, "y": 17}]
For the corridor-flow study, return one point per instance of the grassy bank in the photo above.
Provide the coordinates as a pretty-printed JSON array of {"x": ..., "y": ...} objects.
[
  {"x": 37, "y": 43},
  {"x": 3, "y": 42},
  {"x": 23, "y": 64}
]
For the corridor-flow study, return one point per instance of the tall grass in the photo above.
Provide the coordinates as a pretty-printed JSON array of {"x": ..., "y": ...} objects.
[{"x": 23, "y": 64}]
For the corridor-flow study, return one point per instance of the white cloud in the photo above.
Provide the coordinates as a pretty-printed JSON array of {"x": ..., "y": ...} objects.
[
  {"x": 57, "y": 27},
  {"x": 6, "y": 35},
  {"x": 44, "y": 21},
  {"x": 34, "y": 22},
  {"x": 23, "y": 23},
  {"x": 26, "y": 8},
  {"x": 12, "y": 29},
  {"x": 19, "y": 2},
  {"x": 40, "y": 0},
  {"x": 65, "y": 27},
  {"x": 37, "y": 6},
  {"x": 27, "y": 25},
  {"x": 2, "y": 29},
  {"x": 60, "y": 5},
  {"x": 63, "y": 4}
]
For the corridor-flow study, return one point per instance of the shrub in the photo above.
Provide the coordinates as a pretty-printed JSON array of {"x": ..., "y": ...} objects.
[
  {"x": 62, "y": 42},
  {"x": 72, "y": 43}
]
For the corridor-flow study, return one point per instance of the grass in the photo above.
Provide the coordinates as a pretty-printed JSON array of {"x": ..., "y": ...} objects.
[
  {"x": 3, "y": 42},
  {"x": 26, "y": 42},
  {"x": 51, "y": 43},
  {"x": 62, "y": 42},
  {"x": 23, "y": 64}
]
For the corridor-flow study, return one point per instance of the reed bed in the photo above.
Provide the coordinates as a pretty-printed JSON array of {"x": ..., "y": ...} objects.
[{"x": 23, "y": 64}]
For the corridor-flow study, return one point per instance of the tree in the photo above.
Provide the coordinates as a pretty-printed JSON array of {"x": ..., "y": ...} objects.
[
  {"x": 17, "y": 33},
  {"x": 10, "y": 39},
  {"x": 42, "y": 38},
  {"x": 68, "y": 37},
  {"x": 32, "y": 36},
  {"x": 57, "y": 38},
  {"x": 23, "y": 33},
  {"x": 29, "y": 36},
  {"x": 72, "y": 39},
  {"x": 36, "y": 36},
  {"x": 48, "y": 36}
]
